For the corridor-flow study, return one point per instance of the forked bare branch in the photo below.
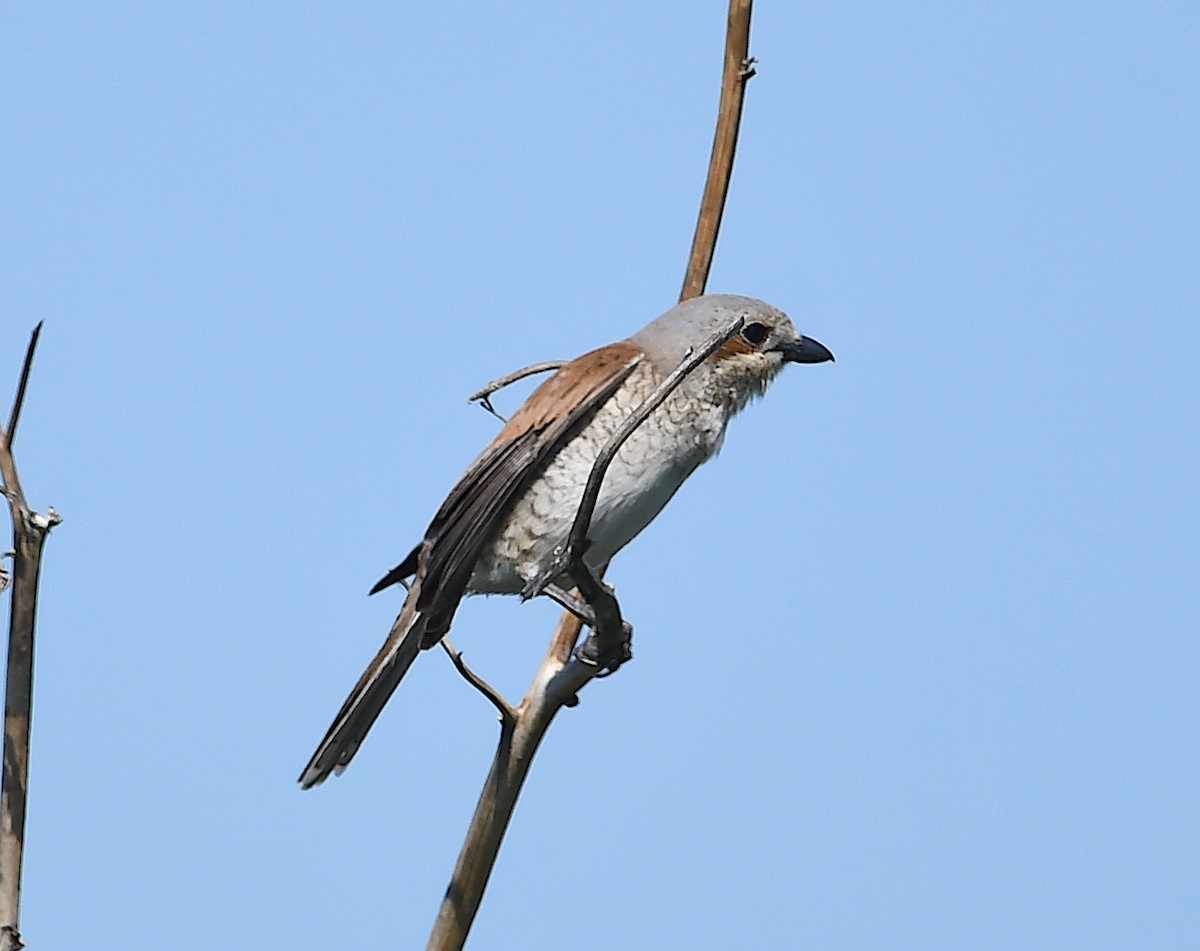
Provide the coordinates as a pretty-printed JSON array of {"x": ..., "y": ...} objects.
[
  {"x": 483, "y": 396},
  {"x": 563, "y": 673},
  {"x": 10, "y": 433},
  {"x": 507, "y": 713},
  {"x": 30, "y": 530},
  {"x": 565, "y": 670}
]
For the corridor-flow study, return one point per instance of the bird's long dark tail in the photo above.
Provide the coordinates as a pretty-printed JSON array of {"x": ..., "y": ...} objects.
[{"x": 366, "y": 700}]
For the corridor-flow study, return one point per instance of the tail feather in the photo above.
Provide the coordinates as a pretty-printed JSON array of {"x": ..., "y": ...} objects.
[{"x": 366, "y": 700}]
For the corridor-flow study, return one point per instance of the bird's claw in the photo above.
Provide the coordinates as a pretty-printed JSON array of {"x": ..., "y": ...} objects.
[{"x": 589, "y": 652}]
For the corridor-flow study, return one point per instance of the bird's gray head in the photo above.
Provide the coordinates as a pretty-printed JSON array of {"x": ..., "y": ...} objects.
[{"x": 750, "y": 359}]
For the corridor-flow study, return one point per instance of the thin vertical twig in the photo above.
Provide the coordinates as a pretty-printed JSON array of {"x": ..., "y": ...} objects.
[
  {"x": 30, "y": 531},
  {"x": 739, "y": 67}
]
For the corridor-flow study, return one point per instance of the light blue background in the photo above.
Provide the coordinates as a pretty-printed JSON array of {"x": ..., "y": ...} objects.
[{"x": 916, "y": 657}]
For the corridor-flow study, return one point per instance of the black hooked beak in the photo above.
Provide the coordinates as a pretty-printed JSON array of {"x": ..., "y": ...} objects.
[{"x": 804, "y": 350}]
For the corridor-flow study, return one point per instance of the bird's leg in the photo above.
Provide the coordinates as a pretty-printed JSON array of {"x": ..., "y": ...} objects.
[
  {"x": 575, "y": 605},
  {"x": 562, "y": 563}
]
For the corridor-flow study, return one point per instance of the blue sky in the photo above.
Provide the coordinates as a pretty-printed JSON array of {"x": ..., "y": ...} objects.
[{"x": 916, "y": 656}]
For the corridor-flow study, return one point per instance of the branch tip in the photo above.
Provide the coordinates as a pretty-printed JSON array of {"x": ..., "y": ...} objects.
[
  {"x": 10, "y": 433},
  {"x": 483, "y": 395},
  {"x": 738, "y": 68},
  {"x": 508, "y": 715}
]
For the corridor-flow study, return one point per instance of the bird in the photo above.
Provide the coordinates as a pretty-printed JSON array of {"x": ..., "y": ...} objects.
[{"x": 506, "y": 521}]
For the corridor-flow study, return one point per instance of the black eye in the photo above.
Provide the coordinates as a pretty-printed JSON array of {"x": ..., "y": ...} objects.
[{"x": 755, "y": 333}]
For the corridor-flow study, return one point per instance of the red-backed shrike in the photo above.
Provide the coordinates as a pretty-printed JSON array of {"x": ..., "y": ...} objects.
[{"x": 507, "y": 520}]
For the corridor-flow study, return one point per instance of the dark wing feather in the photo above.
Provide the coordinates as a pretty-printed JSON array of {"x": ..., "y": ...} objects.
[{"x": 476, "y": 506}]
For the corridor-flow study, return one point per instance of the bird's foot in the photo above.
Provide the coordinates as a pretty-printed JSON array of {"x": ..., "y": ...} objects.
[
  {"x": 563, "y": 562},
  {"x": 608, "y": 657}
]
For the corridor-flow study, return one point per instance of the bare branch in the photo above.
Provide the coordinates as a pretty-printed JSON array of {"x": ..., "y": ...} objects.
[
  {"x": 507, "y": 713},
  {"x": 10, "y": 434},
  {"x": 739, "y": 67},
  {"x": 483, "y": 396},
  {"x": 8, "y": 467},
  {"x": 565, "y": 671},
  {"x": 30, "y": 531},
  {"x": 558, "y": 680},
  {"x": 518, "y": 743}
]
